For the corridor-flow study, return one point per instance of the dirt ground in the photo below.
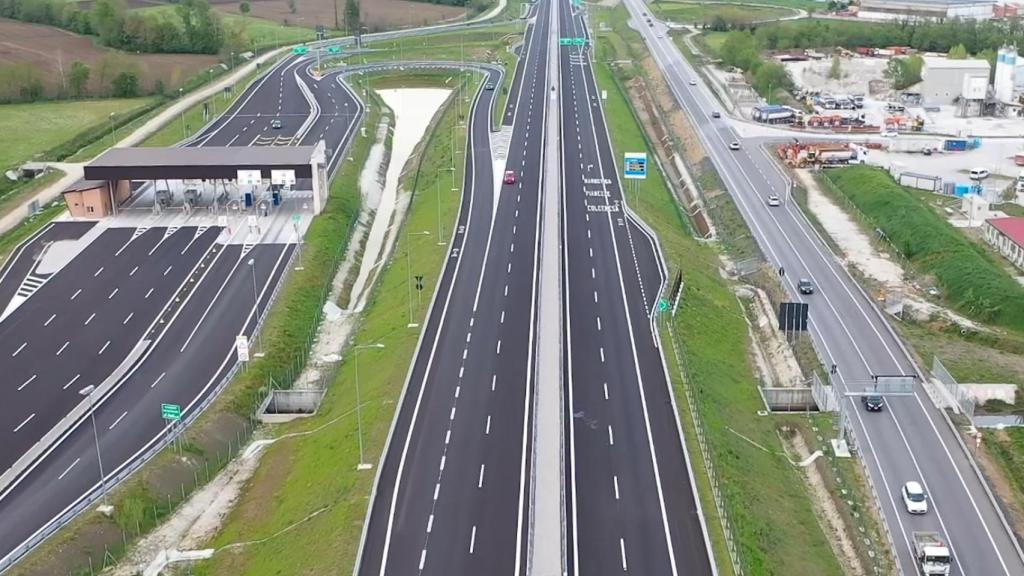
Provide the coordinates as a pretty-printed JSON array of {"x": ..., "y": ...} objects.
[
  {"x": 49, "y": 49},
  {"x": 376, "y": 14}
]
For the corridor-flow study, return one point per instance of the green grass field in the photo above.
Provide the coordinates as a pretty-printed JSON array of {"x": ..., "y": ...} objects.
[
  {"x": 701, "y": 13},
  {"x": 327, "y": 459},
  {"x": 35, "y": 128},
  {"x": 260, "y": 32}
]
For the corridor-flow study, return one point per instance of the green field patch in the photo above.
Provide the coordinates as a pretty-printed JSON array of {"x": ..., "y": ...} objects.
[{"x": 732, "y": 14}]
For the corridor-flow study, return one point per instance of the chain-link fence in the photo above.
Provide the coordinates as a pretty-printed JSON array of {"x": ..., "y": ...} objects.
[{"x": 964, "y": 400}]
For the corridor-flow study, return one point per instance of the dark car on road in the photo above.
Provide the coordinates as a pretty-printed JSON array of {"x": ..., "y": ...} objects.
[
  {"x": 805, "y": 286},
  {"x": 275, "y": 124},
  {"x": 873, "y": 402}
]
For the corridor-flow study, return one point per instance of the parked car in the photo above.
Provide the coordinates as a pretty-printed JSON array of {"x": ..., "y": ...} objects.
[
  {"x": 914, "y": 498},
  {"x": 773, "y": 200},
  {"x": 510, "y": 177},
  {"x": 873, "y": 402},
  {"x": 716, "y": 114},
  {"x": 693, "y": 82},
  {"x": 734, "y": 145},
  {"x": 890, "y": 133},
  {"x": 275, "y": 124},
  {"x": 805, "y": 286}
]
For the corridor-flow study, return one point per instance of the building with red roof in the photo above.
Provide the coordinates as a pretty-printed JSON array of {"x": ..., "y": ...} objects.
[{"x": 1007, "y": 236}]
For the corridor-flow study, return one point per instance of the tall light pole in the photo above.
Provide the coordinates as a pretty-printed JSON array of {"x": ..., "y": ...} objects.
[
  {"x": 256, "y": 303},
  {"x": 87, "y": 392},
  {"x": 408, "y": 270},
  {"x": 440, "y": 236},
  {"x": 363, "y": 464},
  {"x": 181, "y": 92},
  {"x": 112, "y": 139}
]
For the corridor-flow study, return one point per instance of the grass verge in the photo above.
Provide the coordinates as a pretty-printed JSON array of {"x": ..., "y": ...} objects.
[
  {"x": 10, "y": 240},
  {"x": 13, "y": 194},
  {"x": 327, "y": 458},
  {"x": 974, "y": 283},
  {"x": 729, "y": 14},
  {"x": 771, "y": 516},
  {"x": 42, "y": 126}
]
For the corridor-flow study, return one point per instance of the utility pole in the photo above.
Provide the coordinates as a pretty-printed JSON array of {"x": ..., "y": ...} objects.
[
  {"x": 408, "y": 270},
  {"x": 363, "y": 464}
]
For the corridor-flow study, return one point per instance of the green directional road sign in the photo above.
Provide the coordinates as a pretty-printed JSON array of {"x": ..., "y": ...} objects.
[
  {"x": 334, "y": 49},
  {"x": 170, "y": 411},
  {"x": 662, "y": 305},
  {"x": 565, "y": 41},
  {"x": 300, "y": 50},
  {"x": 579, "y": 41}
]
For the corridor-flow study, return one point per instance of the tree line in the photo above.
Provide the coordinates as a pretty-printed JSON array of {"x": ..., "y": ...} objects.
[
  {"x": 195, "y": 28},
  {"x": 111, "y": 76},
  {"x": 766, "y": 76},
  {"x": 976, "y": 37}
]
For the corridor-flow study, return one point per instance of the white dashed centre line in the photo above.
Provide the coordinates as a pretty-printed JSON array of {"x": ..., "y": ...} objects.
[
  {"x": 605, "y": 390},
  {"x": 50, "y": 319},
  {"x": 118, "y": 421},
  {"x": 472, "y": 540},
  {"x": 68, "y": 469},
  {"x": 157, "y": 381},
  {"x": 611, "y": 436},
  {"x": 89, "y": 319},
  {"x": 104, "y": 348},
  {"x": 112, "y": 294},
  {"x": 27, "y": 382},
  {"x": 487, "y": 429},
  {"x": 480, "y": 481},
  {"x": 72, "y": 381},
  {"x": 20, "y": 426},
  {"x": 63, "y": 347},
  {"x": 615, "y": 480},
  {"x": 20, "y": 348},
  {"x": 77, "y": 292}
]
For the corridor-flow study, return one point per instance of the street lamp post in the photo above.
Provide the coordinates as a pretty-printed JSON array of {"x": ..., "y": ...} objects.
[
  {"x": 363, "y": 464},
  {"x": 181, "y": 92},
  {"x": 408, "y": 271},
  {"x": 440, "y": 236},
  {"x": 256, "y": 303},
  {"x": 113, "y": 140},
  {"x": 87, "y": 392}
]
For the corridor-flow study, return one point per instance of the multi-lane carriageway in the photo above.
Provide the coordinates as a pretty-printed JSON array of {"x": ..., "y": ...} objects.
[{"x": 165, "y": 301}]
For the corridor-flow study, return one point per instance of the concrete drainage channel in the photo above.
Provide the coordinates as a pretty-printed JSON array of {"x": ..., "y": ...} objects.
[{"x": 287, "y": 405}]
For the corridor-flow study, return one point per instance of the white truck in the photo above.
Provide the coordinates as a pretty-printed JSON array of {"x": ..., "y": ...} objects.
[{"x": 932, "y": 554}]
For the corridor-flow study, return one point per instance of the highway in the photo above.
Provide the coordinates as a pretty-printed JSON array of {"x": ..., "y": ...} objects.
[
  {"x": 910, "y": 439},
  {"x": 632, "y": 505},
  {"x": 105, "y": 302},
  {"x": 451, "y": 492}
]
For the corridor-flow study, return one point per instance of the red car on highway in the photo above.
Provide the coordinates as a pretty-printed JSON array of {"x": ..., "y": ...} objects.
[{"x": 510, "y": 177}]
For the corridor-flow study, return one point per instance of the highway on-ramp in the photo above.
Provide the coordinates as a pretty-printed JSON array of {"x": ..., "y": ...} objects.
[{"x": 909, "y": 440}]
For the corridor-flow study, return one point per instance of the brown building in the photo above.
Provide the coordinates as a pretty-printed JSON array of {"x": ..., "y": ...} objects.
[{"x": 92, "y": 198}]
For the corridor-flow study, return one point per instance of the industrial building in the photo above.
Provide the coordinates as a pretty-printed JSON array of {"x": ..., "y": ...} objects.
[
  {"x": 945, "y": 81},
  {"x": 1007, "y": 236},
  {"x": 917, "y": 10}
]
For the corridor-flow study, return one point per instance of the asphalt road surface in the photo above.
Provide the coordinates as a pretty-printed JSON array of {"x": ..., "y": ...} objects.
[
  {"x": 910, "y": 439},
  {"x": 105, "y": 301},
  {"x": 631, "y": 503},
  {"x": 451, "y": 497}
]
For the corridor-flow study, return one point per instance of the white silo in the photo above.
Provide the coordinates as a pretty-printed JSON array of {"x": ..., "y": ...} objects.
[{"x": 1006, "y": 63}]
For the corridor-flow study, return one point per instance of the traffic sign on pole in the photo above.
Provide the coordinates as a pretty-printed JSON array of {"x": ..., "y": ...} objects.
[
  {"x": 635, "y": 165},
  {"x": 242, "y": 347},
  {"x": 334, "y": 49},
  {"x": 170, "y": 412},
  {"x": 300, "y": 50},
  {"x": 662, "y": 305}
]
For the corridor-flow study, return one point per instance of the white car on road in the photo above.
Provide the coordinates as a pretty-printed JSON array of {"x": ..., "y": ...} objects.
[
  {"x": 914, "y": 498},
  {"x": 773, "y": 200}
]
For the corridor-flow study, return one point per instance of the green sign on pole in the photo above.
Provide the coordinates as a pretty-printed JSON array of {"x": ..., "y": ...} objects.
[
  {"x": 170, "y": 411},
  {"x": 565, "y": 41},
  {"x": 579, "y": 41},
  {"x": 300, "y": 50},
  {"x": 662, "y": 305},
  {"x": 334, "y": 49}
]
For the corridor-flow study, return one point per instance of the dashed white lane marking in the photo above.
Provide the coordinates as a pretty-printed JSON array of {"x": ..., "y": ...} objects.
[
  {"x": 622, "y": 548},
  {"x": 127, "y": 319},
  {"x": 480, "y": 481},
  {"x": 591, "y": 252},
  {"x": 68, "y": 469},
  {"x": 20, "y": 426},
  {"x": 27, "y": 382},
  {"x": 605, "y": 390},
  {"x": 423, "y": 558},
  {"x": 457, "y": 390},
  {"x": 461, "y": 369},
  {"x": 104, "y": 348},
  {"x": 506, "y": 289},
  {"x": 134, "y": 270},
  {"x": 437, "y": 488},
  {"x": 509, "y": 269},
  {"x": 598, "y": 323},
  {"x": 168, "y": 270},
  {"x": 148, "y": 293},
  {"x": 430, "y": 523},
  {"x": 595, "y": 296},
  {"x": 77, "y": 292},
  {"x": 112, "y": 294},
  {"x": 494, "y": 380},
  {"x": 498, "y": 351},
  {"x": 487, "y": 429},
  {"x": 611, "y": 436},
  {"x": 443, "y": 458},
  {"x": 20, "y": 348},
  {"x": 89, "y": 319},
  {"x": 602, "y": 353},
  {"x": 158, "y": 379},
  {"x": 72, "y": 381},
  {"x": 615, "y": 480},
  {"x": 118, "y": 421},
  {"x": 593, "y": 273},
  {"x": 502, "y": 317},
  {"x": 63, "y": 347},
  {"x": 472, "y": 540},
  {"x": 98, "y": 272},
  {"x": 50, "y": 319}
]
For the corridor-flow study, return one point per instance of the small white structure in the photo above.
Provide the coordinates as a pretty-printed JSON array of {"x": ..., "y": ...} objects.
[
  {"x": 975, "y": 208},
  {"x": 943, "y": 80}
]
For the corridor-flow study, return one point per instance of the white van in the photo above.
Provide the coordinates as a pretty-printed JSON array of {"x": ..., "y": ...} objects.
[{"x": 978, "y": 173}]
